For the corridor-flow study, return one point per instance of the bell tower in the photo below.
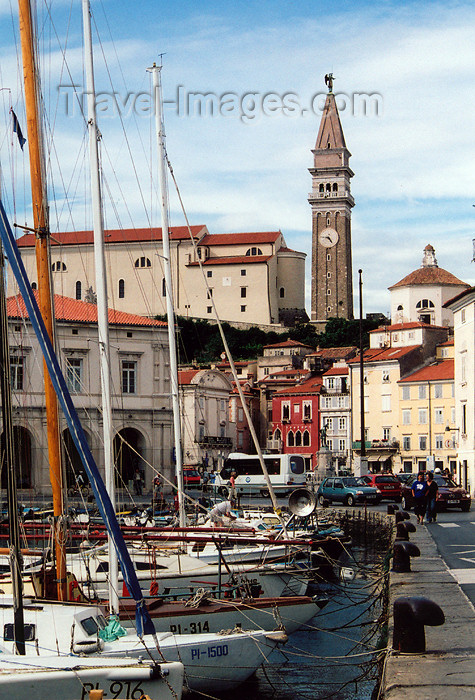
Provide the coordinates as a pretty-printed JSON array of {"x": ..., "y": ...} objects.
[{"x": 331, "y": 202}]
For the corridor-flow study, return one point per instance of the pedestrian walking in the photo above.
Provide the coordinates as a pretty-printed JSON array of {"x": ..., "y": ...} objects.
[
  {"x": 419, "y": 491},
  {"x": 432, "y": 488}
]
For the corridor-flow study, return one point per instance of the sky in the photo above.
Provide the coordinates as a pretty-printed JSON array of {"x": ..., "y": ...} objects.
[{"x": 245, "y": 166}]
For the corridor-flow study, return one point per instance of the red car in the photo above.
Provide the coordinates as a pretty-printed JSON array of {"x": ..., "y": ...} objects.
[
  {"x": 388, "y": 485},
  {"x": 191, "y": 476},
  {"x": 449, "y": 494}
]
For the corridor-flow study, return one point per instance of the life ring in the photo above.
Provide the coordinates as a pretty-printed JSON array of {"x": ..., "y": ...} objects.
[{"x": 447, "y": 443}]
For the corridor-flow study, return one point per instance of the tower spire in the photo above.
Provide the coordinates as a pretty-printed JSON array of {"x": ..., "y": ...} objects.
[{"x": 331, "y": 202}]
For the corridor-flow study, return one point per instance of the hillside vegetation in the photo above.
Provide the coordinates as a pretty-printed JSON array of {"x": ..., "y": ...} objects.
[{"x": 199, "y": 341}]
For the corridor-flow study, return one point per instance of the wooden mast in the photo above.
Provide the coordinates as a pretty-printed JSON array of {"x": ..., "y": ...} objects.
[{"x": 41, "y": 225}]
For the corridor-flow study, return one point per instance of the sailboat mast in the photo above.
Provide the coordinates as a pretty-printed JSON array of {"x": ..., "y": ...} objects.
[
  {"x": 162, "y": 176},
  {"x": 101, "y": 285},
  {"x": 42, "y": 245},
  {"x": 9, "y": 465}
]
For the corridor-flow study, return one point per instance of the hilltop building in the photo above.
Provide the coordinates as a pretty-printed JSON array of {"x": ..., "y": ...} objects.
[{"x": 253, "y": 278}]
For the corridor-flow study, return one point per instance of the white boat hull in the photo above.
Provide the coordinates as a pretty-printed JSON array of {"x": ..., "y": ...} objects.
[
  {"x": 71, "y": 678},
  {"x": 211, "y": 662}
]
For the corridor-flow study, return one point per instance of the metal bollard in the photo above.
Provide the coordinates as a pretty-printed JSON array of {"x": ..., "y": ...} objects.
[
  {"x": 410, "y": 615},
  {"x": 403, "y": 530},
  {"x": 402, "y": 515},
  {"x": 402, "y": 553}
]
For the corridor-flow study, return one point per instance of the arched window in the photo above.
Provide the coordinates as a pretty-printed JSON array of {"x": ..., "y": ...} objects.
[
  {"x": 282, "y": 292},
  {"x": 78, "y": 290},
  {"x": 143, "y": 262},
  {"x": 400, "y": 307},
  {"x": 335, "y": 187},
  {"x": 58, "y": 266},
  {"x": 33, "y": 285},
  {"x": 322, "y": 188},
  {"x": 306, "y": 438},
  {"x": 253, "y": 251},
  {"x": 290, "y": 439},
  {"x": 298, "y": 438},
  {"x": 121, "y": 289},
  {"x": 328, "y": 187},
  {"x": 425, "y": 304},
  {"x": 164, "y": 288},
  {"x": 277, "y": 435}
]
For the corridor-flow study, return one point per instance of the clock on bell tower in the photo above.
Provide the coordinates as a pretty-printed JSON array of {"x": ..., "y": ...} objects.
[{"x": 331, "y": 202}]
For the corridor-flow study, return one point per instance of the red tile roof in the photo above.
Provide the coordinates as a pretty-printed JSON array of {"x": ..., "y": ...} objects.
[
  {"x": 240, "y": 238},
  {"x": 429, "y": 275},
  {"x": 405, "y": 326},
  {"x": 434, "y": 372},
  {"x": 72, "y": 310},
  {"x": 447, "y": 342},
  {"x": 334, "y": 371},
  {"x": 131, "y": 235},
  {"x": 384, "y": 354},
  {"x": 186, "y": 375},
  {"x": 308, "y": 386},
  {"x": 330, "y": 353},
  {"x": 288, "y": 344},
  {"x": 233, "y": 260},
  {"x": 457, "y": 297},
  {"x": 288, "y": 373}
]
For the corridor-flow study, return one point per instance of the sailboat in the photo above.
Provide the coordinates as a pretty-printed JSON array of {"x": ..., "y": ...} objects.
[{"x": 205, "y": 656}]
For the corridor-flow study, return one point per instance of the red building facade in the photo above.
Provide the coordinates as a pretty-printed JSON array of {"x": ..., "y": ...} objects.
[{"x": 296, "y": 420}]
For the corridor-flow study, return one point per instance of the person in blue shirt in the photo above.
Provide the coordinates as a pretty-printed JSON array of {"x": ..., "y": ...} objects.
[{"x": 419, "y": 491}]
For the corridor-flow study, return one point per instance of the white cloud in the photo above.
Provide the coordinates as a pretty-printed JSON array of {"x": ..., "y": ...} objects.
[{"x": 413, "y": 163}]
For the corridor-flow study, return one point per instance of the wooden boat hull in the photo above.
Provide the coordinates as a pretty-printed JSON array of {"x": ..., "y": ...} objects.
[{"x": 212, "y": 615}]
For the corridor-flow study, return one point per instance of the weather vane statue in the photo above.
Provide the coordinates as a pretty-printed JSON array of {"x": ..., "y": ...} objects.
[{"x": 329, "y": 81}]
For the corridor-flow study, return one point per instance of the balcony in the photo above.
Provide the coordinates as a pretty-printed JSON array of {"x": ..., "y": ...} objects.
[{"x": 275, "y": 445}]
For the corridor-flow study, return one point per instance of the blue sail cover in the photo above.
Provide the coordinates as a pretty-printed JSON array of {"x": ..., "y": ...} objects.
[{"x": 142, "y": 618}]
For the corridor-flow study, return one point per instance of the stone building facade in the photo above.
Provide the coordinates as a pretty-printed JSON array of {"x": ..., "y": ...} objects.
[{"x": 141, "y": 411}]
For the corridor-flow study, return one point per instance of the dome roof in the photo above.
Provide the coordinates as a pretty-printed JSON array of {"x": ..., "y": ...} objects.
[{"x": 429, "y": 273}]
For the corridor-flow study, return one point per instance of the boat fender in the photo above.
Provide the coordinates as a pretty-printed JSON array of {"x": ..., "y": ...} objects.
[
  {"x": 88, "y": 646},
  {"x": 279, "y": 637},
  {"x": 154, "y": 588},
  {"x": 74, "y": 592}
]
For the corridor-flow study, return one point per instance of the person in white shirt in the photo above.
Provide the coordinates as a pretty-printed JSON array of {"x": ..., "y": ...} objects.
[{"x": 220, "y": 512}]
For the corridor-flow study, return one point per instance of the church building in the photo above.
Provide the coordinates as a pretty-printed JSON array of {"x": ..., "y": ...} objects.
[{"x": 420, "y": 296}]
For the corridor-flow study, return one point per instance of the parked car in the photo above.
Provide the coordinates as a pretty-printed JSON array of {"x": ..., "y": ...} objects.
[
  {"x": 449, "y": 494},
  {"x": 348, "y": 490},
  {"x": 389, "y": 487},
  {"x": 191, "y": 476}
]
